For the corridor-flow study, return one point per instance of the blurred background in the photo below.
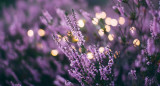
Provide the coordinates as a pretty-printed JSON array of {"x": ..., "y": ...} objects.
[
  {"x": 28, "y": 54},
  {"x": 30, "y": 57}
]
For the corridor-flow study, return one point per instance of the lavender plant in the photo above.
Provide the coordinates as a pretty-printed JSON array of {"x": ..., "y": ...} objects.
[
  {"x": 134, "y": 38},
  {"x": 28, "y": 55},
  {"x": 147, "y": 61},
  {"x": 138, "y": 16},
  {"x": 88, "y": 71}
]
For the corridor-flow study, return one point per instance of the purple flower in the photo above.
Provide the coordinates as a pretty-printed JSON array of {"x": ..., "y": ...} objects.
[
  {"x": 150, "y": 46},
  {"x": 12, "y": 84},
  {"x": 75, "y": 29},
  {"x": 155, "y": 27},
  {"x": 83, "y": 69},
  {"x": 119, "y": 8},
  {"x": 148, "y": 81},
  {"x": 132, "y": 73}
]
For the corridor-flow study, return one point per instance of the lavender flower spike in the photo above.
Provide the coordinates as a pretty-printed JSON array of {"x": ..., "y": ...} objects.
[
  {"x": 150, "y": 46},
  {"x": 155, "y": 29},
  {"x": 75, "y": 29},
  {"x": 46, "y": 18},
  {"x": 132, "y": 73}
]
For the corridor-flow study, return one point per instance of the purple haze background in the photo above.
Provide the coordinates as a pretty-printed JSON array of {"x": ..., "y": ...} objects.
[{"x": 131, "y": 55}]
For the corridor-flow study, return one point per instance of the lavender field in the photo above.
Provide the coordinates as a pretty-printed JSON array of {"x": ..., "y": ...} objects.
[{"x": 79, "y": 43}]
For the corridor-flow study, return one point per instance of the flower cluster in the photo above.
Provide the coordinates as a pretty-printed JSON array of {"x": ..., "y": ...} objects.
[
  {"x": 92, "y": 68},
  {"x": 28, "y": 55},
  {"x": 104, "y": 46},
  {"x": 140, "y": 15}
]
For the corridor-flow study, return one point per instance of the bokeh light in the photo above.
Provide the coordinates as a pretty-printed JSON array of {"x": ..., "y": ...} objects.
[
  {"x": 132, "y": 29},
  {"x": 111, "y": 37},
  {"x": 54, "y": 52},
  {"x": 89, "y": 55},
  {"x": 98, "y": 15},
  {"x": 101, "y": 15},
  {"x": 121, "y": 20},
  {"x": 108, "y": 28},
  {"x": 59, "y": 37},
  {"x": 136, "y": 42},
  {"x": 30, "y": 33},
  {"x": 74, "y": 39},
  {"x": 81, "y": 23},
  {"x": 95, "y": 21},
  {"x": 41, "y": 32},
  {"x": 108, "y": 21},
  {"x": 101, "y": 49},
  {"x": 114, "y": 22},
  {"x": 101, "y": 32}
]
